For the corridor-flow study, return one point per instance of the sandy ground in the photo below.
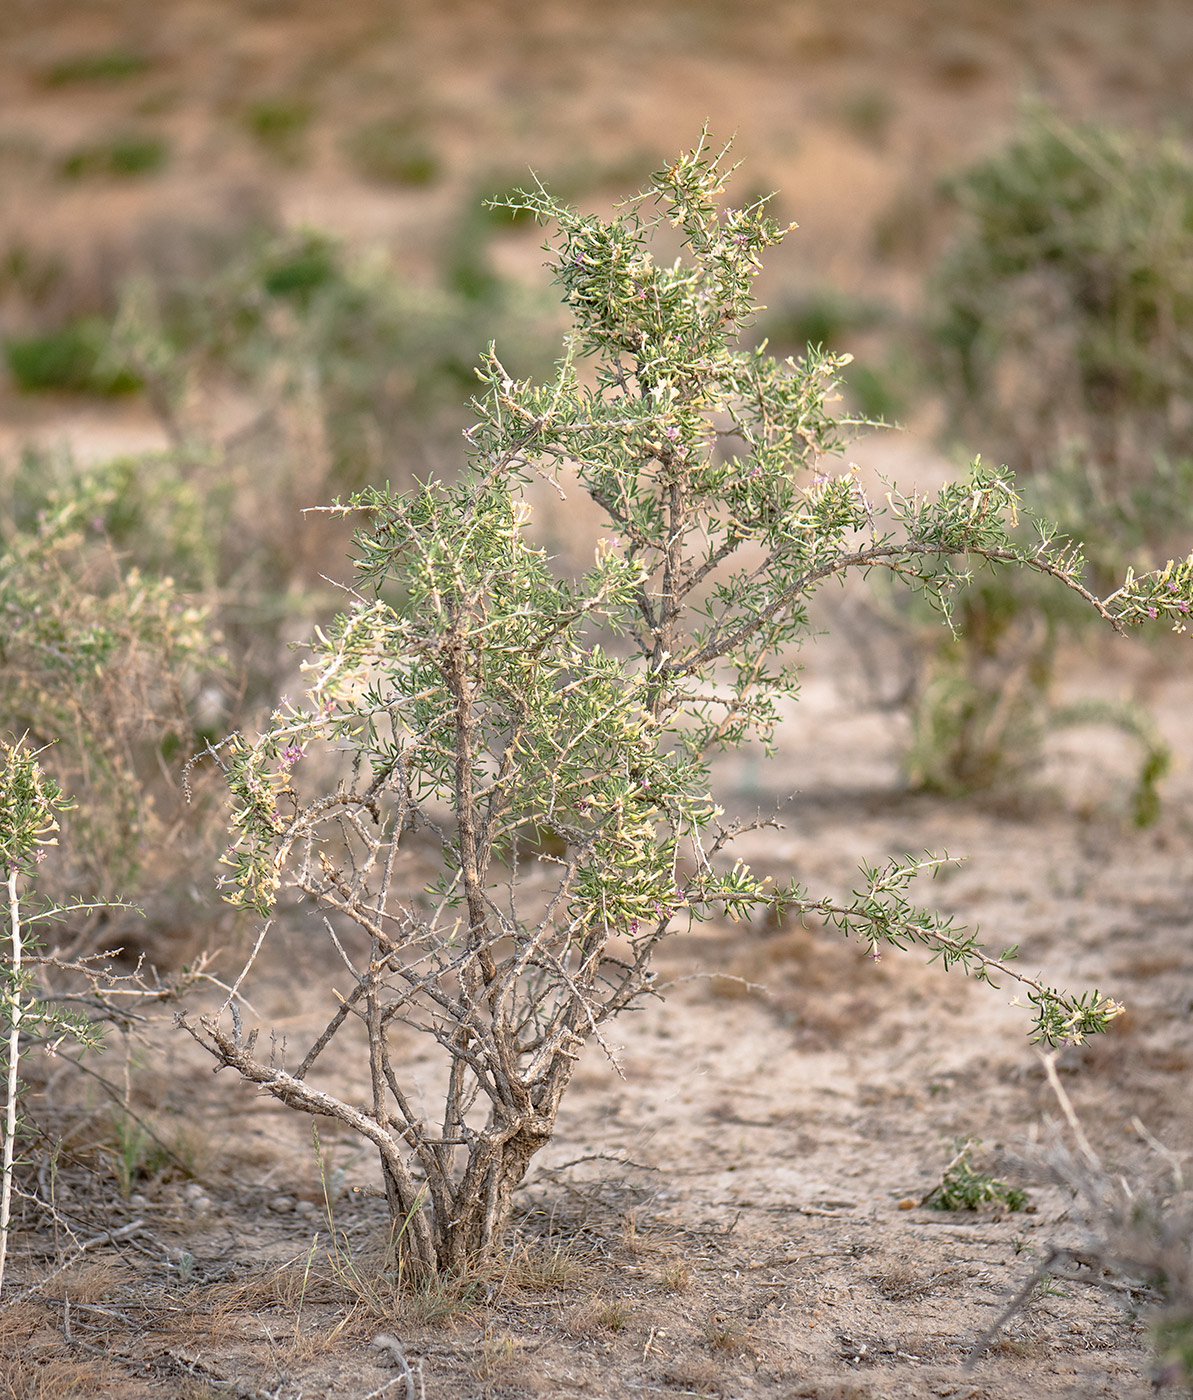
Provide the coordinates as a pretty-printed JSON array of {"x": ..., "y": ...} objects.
[{"x": 742, "y": 1214}]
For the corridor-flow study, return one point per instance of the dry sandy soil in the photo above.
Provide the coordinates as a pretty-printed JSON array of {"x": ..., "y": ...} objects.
[{"x": 743, "y": 1216}]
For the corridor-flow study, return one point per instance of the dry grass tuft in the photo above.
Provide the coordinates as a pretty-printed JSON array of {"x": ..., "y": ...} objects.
[
  {"x": 724, "y": 1335},
  {"x": 88, "y": 1283},
  {"x": 35, "y": 1365},
  {"x": 676, "y": 1277},
  {"x": 595, "y": 1316},
  {"x": 539, "y": 1269},
  {"x": 498, "y": 1356},
  {"x": 900, "y": 1283}
]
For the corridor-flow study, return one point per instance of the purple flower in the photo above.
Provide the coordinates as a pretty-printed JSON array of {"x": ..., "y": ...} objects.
[
  {"x": 1151, "y": 612},
  {"x": 672, "y": 433},
  {"x": 291, "y": 753},
  {"x": 633, "y": 928}
]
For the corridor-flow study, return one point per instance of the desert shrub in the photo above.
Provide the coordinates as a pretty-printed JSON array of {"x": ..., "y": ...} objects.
[
  {"x": 983, "y": 701},
  {"x": 126, "y": 155},
  {"x": 294, "y": 317},
  {"x": 71, "y": 359},
  {"x": 1062, "y": 314},
  {"x": 114, "y": 65},
  {"x": 279, "y": 125},
  {"x": 393, "y": 151},
  {"x": 102, "y": 664},
  {"x": 1060, "y": 332},
  {"x": 471, "y": 694},
  {"x": 963, "y": 1186}
]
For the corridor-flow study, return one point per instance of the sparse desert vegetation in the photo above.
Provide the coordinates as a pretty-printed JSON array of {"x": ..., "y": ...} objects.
[{"x": 250, "y": 260}]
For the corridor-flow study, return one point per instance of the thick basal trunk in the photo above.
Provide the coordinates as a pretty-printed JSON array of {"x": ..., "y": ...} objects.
[
  {"x": 469, "y": 1231},
  {"x": 411, "y": 1227},
  {"x": 474, "y": 1235}
]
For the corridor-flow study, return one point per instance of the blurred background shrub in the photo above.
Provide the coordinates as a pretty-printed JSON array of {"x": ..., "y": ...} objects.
[
  {"x": 1059, "y": 332},
  {"x": 107, "y": 667}
]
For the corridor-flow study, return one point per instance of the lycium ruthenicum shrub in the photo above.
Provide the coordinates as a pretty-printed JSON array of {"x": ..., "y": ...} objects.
[
  {"x": 48, "y": 997},
  {"x": 1059, "y": 328},
  {"x": 294, "y": 320},
  {"x": 100, "y": 663},
  {"x": 1061, "y": 316},
  {"x": 29, "y": 803},
  {"x": 472, "y": 695}
]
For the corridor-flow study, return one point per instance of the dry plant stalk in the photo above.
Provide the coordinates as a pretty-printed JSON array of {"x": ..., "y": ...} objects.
[
  {"x": 46, "y": 998},
  {"x": 1139, "y": 1240},
  {"x": 477, "y": 701}
]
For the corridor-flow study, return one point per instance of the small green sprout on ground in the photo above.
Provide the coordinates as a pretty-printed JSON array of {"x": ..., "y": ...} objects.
[{"x": 963, "y": 1187}]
